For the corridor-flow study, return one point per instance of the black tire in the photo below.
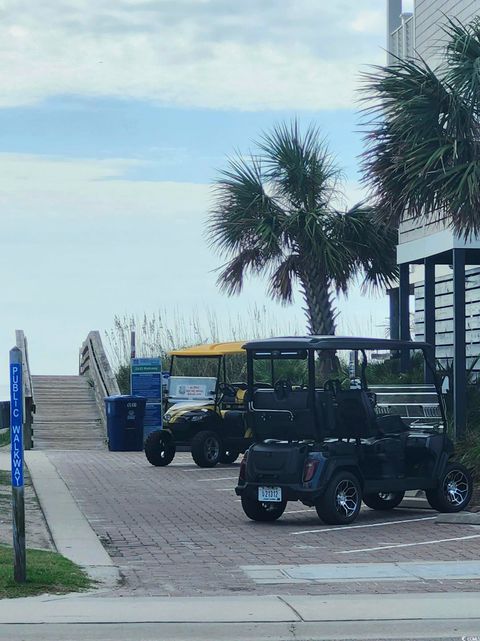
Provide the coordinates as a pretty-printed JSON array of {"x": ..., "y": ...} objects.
[
  {"x": 160, "y": 448},
  {"x": 266, "y": 512},
  {"x": 206, "y": 449},
  {"x": 228, "y": 456},
  {"x": 454, "y": 490},
  {"x": 341, "y": 501},
  {"x": 383, "y": 500}
]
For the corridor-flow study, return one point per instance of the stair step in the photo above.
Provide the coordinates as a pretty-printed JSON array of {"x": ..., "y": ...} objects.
[{"x": 67, "y": 416}]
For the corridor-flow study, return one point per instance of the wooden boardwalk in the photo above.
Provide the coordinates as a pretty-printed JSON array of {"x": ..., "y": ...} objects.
[{"x": 67, "y": 416}]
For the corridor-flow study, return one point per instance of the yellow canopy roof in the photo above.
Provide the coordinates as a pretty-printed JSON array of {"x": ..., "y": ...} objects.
[{"x": 213, "y": 349}]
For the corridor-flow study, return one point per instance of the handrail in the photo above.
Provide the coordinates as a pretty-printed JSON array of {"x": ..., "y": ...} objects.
[
  {"x": 22, "y": 344},
  {"x": 94, "y": 365}
]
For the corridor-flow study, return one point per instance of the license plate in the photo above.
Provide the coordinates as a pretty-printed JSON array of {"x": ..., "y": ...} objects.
[{"x": 270, "y": 494}]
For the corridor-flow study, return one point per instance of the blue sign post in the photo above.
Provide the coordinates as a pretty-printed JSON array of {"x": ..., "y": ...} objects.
[
  {"x": 146, "y": 380},
  {"x": 16, "y": 434}
]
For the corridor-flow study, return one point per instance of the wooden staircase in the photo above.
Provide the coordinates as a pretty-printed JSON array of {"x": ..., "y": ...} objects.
[{"x": 67, "y": 416}]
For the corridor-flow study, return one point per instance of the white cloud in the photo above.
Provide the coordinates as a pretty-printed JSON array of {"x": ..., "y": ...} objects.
[
  {"x": 368, "y": 22},
  {"x": 205, "y": 53}
]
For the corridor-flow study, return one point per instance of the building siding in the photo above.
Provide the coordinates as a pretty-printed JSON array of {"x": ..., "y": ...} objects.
[
  {"x": 444, "y": 317},
  {"x": 430, "y": 15}
]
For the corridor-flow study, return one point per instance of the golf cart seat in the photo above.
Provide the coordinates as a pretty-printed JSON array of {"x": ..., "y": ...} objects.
[
  {"x": 355, "y": 416},
  {"x": 284, "y": 418},
  {"x": 391, "y": 425}
]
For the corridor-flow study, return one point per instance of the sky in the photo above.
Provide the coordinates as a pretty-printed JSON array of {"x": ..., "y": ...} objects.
[{"x": 115, "y": 119}]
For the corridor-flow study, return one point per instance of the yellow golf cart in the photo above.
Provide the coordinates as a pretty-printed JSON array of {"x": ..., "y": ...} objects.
[{"x": 204, "y": 407}]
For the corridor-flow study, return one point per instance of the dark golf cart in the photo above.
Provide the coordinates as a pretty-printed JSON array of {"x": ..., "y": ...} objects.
[
  {"x": 203, "y": 409},
  {"x": 331, "y": 443}
]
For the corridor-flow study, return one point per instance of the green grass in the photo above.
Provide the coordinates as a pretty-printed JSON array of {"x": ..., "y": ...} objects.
[
  {"x": 46, "y": 572},
  {"x": 4, "y": 438},
  {"x": 5, "y": 478}
]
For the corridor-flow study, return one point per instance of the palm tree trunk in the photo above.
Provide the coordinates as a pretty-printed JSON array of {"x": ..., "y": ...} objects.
[
  {"x": 320, "y": 317},
  {"x": 319, "y": 305}
]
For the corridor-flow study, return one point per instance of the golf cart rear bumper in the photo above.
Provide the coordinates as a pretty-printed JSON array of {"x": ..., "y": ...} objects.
[{"x": 308, "y": 496}]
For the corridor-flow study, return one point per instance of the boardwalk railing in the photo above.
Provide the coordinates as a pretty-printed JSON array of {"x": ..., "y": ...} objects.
[
  {"x": 29, "y": 409},
  {"x": 94, "y": 365}
]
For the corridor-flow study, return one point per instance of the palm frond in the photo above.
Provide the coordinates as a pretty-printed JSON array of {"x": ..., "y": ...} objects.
[
  {"x": 373, "y": 246},
  {"x": 244, "y": 214},
  {"x": 232, "y": 274},
  {"x": 420, "y": 133},
  {"x": 461, "y": 55},
  {"x": 284, "y": 277},
  {"x": 300, "y": 166}
]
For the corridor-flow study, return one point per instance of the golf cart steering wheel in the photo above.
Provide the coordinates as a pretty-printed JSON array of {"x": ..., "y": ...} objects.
[
  {"x": 283, "y": 387},
  {"x": 333, "y": 385},
  {"x": 227, "y": 390}
]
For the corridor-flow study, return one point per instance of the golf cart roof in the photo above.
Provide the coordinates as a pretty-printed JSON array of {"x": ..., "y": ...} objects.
[
  {"x": 212, "y": 349},
  {"x": 333, "y": 343}
]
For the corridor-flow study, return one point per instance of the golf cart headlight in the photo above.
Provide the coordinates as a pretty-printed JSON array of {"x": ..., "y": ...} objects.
[{"x": 167, "y": 417}]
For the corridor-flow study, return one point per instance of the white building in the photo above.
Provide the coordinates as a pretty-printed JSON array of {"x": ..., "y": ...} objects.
[{"x": 447, "y": 298}]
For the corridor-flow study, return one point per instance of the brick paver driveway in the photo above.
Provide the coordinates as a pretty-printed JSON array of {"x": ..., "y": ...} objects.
[{"x": 180, "y": 530}]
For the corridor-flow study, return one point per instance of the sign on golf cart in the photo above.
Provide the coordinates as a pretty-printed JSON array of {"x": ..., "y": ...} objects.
[
  {"x": 146, "y": 380},
  {"x": 191, "y": 388}
]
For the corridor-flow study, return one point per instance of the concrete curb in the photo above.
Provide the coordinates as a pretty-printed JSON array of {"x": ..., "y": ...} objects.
[
  {"x": 460, "y": 518},
  {"x": 71, "y": 533},
  {"x": 253, "y": 609}
]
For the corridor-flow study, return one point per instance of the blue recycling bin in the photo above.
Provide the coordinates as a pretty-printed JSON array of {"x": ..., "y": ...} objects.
[{"x": 125, "y": 416}]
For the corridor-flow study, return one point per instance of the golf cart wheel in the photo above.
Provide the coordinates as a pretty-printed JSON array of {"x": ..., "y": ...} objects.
[
  {"x": 454, "y": 489},
  {"x": 383, "y": 500},
  {"x": 159, "y": 448},
  {"x": 206, "y": 449},
  {"x": 341, "y": 501},
  {"x": 228, "y": 456},
  {"x": 265, "y": 512}
]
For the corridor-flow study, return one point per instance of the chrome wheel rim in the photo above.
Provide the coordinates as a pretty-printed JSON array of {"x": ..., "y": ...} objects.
[
  {"x": 386, "y": 496},
  {"x": 163, "y": 449},
  {"x": 455, "y": 487},
  {"x": 346, "y": 498},
  {"x": 212, "y": 448}
]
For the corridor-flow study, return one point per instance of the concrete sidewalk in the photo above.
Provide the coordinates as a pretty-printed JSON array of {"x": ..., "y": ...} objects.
[{"x": 285, "y": 609}]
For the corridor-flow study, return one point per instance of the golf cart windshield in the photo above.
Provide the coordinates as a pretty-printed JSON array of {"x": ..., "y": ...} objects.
[{"x": 211, "y": 372}]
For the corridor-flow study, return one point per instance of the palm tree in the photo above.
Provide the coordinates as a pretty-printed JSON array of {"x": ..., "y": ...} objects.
[
  {"x": 423, "y": 135},
  {"x": 274, "y": 215}
]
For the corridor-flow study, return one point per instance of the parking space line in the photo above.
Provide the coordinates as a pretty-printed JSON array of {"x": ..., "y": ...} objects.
[
  {"x": 354, "y": 527},
  {"x": 408, "y": 545},
  {"x": 224, "y": 489},
  {"x": 204, "y": 469},
  {"x": 221, "y": 478},
  {"x": 310, "y": 509}
]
